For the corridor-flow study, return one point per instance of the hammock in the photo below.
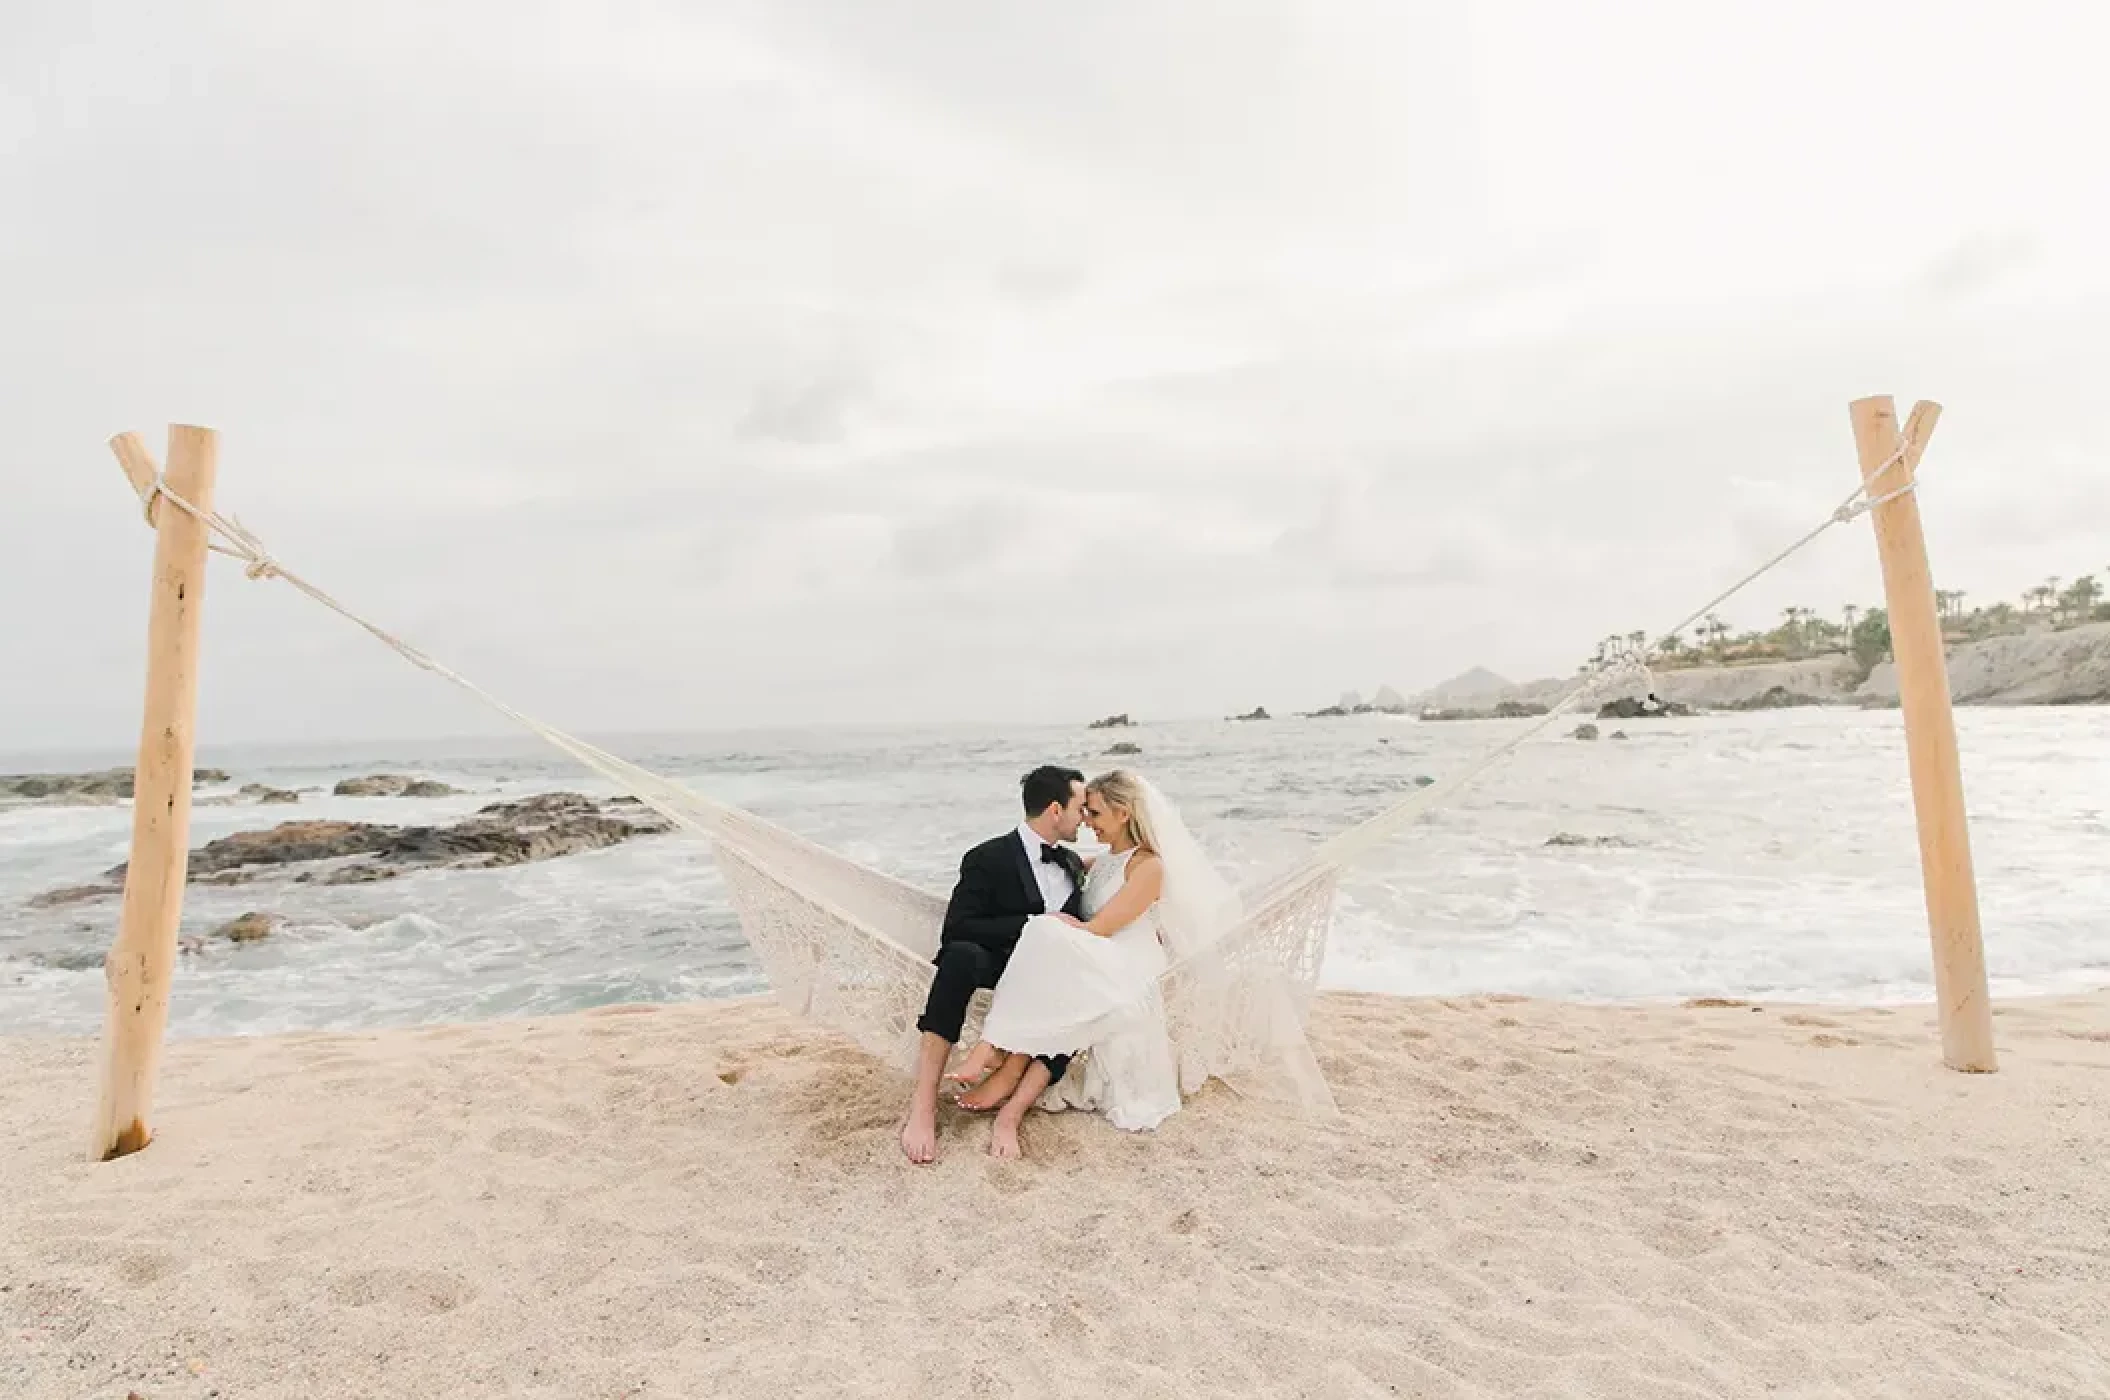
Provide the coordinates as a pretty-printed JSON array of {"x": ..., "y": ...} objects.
[{"x": 850, "y": 947}]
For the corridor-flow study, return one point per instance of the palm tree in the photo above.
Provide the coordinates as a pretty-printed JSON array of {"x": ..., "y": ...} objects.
[{"x": 1850, "y": 612}]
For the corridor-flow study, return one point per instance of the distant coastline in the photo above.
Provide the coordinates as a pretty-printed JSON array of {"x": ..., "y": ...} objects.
[{"x": 2046, "y": 665}]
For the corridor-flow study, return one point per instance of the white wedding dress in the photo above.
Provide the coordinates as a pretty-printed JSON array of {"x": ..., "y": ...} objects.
[{"x": 1066, "y": 990}]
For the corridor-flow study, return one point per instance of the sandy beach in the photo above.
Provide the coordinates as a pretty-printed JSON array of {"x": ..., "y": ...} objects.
[{"x": 1522, "y": 1199}]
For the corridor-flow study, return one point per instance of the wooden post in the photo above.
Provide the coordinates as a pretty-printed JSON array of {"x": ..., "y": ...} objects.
[
  {"x": 1965, "y": 1011},
  {"x": 143, "y": 958}
]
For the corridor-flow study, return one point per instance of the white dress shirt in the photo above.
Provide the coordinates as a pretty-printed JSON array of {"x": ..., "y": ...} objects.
[{"x": 1055, "y": 883}]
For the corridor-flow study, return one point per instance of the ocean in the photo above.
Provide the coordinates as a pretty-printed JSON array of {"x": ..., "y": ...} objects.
[{"x": 1766, "y": 855}]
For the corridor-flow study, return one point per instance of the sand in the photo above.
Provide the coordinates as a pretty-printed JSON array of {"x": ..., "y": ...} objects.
[{"x": 1523, "y": 1199}]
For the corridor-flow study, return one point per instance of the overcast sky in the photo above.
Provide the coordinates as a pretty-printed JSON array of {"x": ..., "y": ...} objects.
[{"x": 705, "y": 365}]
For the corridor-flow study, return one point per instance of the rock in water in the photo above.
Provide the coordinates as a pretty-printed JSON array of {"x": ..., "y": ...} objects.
[
  {"x": 288, "y": 843},
  {"x": 1776, "y": 697},
  {"x": 1124, "y": 749},
  {"x": 249, "y": 928},
  {"x": 1569, "y": 838},
  {"x": 1120, "y": 721},
  {"x": 511, "y": 833},
  {"x": 505, "y": 833},
  {"x": 391, "y": 785},
  {"x": 265, "y": 793},
  {"x": 71, "y": 894},
  {"x": 105, "y": 786},
  {"x": 1585, "y": 731},
  {"x": 1628, "y": 707}
]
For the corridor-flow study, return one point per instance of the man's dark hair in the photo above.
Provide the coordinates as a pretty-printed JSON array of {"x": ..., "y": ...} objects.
[{"x": 1047, "y": 784}]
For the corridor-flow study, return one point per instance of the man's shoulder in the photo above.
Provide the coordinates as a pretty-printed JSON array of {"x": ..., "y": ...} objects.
[{"x": 993, "y": 847}]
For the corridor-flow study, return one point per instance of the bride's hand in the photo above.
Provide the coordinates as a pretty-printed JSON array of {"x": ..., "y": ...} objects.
[{"x": 1071, "y": 919}]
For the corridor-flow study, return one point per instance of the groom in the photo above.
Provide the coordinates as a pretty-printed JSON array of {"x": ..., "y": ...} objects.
[{"x": 1003, "y": 882}]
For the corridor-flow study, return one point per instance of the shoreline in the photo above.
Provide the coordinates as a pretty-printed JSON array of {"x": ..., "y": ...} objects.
[
  {"x": 1520, "y": 1196},
  {"x": 762, "y": 1002}
]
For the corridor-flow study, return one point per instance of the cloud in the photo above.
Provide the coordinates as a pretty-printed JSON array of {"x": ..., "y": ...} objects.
[
  {"x": 1980, "y": 261},
  {"x": 762, "y": 363}
]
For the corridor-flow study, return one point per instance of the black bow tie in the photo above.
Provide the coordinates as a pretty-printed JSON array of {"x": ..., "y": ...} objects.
[{"x": 1055, "y": 855}]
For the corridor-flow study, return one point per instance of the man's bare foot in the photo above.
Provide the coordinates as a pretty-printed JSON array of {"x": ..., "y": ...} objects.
[
  {"x": 919, "y": 1136},
  {"x": 976, "y": 1066},
  {"x": 997, "y": 1087},
  {"x": 1003, "y": 1140}
]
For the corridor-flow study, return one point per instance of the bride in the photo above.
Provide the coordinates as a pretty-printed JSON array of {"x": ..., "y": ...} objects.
[{"x": 1093, "y": 982}]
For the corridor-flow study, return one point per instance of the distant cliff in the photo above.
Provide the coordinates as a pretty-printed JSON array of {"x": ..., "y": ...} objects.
[{"x": 2045, "y": 667}]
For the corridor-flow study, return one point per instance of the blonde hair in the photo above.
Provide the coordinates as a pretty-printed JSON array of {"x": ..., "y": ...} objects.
[{"x": 1124, "y": 790}]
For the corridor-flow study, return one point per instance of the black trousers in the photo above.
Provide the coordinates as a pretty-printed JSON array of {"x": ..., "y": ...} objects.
[{"x": 964, "y": 969}]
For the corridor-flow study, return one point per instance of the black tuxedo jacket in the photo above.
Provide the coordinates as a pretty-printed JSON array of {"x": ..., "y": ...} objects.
[{"x": 997, "y": 893}]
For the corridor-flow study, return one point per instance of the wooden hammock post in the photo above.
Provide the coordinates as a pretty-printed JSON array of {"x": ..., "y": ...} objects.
[
  {"x": 143, "y": 959},
  {"x": 1966, "y": 1012}
]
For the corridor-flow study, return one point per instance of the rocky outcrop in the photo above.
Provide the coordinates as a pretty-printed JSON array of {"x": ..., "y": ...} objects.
[
  {"x": 1120, "y": 721},
  {"x": 2045, "y": 667},
  {"x": 2042, "y": 667},
  {"x": 1505, "y": 709},
  {"x": 1387, "y": 702},
  {"x": 69, "y": 894},
  {"x": 1585, "y": 731},
  {"x": 249, "y": 928},
  {"x": 542, "y": 827},
  {"x": 108, "y": 785},
  {"x": 391, "y": 785},
  {"x": 1124, "y": 749},
  {"x": 268, "y": 795},
  {"x": 1642, "y": 707},
  {"x": 1777, "y": 697},
  {"x": 1824, "y": 679},
  {"x": 1259, "y": 712}
]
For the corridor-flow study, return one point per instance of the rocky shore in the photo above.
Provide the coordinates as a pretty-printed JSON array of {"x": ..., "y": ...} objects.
[
  {"x": 541, "y": 827},
  {"x": 2046, "y": 667},
  {"x": 108, "y": 786},
  {"x": 101, "y": 786}
]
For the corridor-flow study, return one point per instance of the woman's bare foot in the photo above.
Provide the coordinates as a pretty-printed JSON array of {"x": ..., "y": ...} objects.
[
  {"x": 997, "y": 1087},
  {"x": 976, "y": 1066},
  {"x": 1003, "y": 1139}
]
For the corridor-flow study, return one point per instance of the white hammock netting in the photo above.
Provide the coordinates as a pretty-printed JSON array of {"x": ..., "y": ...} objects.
[{"x": 851, "y": 948}]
